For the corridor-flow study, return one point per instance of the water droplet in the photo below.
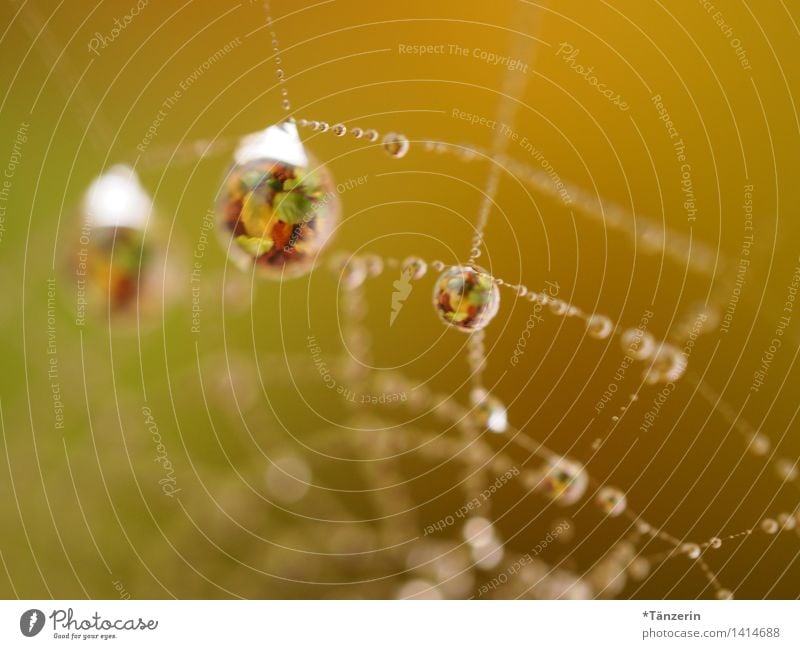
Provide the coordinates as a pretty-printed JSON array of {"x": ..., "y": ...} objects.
[
  {"x": 395, "y": 144},
  {"x": 418, "y": 589},
  {"x": 288, "y": 478},
  {"x": 668, "y": 366},
  {"x": 466, "y": 298},
  {"x": 637, "y": 344},
  {"x": 759, "y": 444},
  {"x": 558, "y": 307},
  {"x": 374, "y": 265},
  {"x": 639, "y": 568},
  {"x": 478, "y": 532},
  {"x": 564, "y": 481},
  {"x": 488, "y": 557},
  {"x": 691, "y": 550},
  {"x": 116, "y": 210},
  {"x": 467, "y": 154},
  {"x": 489, "y": 411},
  {"x": 786, "y": 470},
  {"x": 351, "y": 269},
  {"x": 770, "y": 526},
  {"x": 599, "y": 326},
  {"x": 281, "y": 236},
  {"x": 415, "y": 266},
  {"x": 611, "y": 501}
]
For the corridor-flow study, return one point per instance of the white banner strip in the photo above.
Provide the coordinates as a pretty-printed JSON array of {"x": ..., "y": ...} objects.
[{"x": 389, "y": 624}]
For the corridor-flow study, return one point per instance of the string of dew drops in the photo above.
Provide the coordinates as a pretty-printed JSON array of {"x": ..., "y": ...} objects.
[{"x": 457, "y": 417}]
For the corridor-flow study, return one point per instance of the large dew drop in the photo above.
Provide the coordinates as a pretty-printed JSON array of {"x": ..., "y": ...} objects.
[{"x": 112, "y": 260}]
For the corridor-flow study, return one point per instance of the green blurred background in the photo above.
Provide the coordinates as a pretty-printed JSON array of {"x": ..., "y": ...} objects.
[{"x": 83, "y": 514}]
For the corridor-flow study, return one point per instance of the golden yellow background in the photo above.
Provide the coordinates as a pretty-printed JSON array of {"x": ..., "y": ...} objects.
[{"x": 81, "y": 508}]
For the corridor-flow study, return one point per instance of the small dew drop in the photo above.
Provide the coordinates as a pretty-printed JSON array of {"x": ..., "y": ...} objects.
[
  {"x": 374, "y": 265},
  {"x": 769, "y": 526},
  {"x": 786, "y": 469},
  {"x": 759, "y": 444},
  {"x": 639, "y": 568},
  {"x": 599, "y": 326},
  {"x": 638, "y": 344},
  {"x": 415, "y": 266},
  {"x": 396, "y": 145},
  {"x": 691, "y": 550},
  {"x": 611, "y": 501}
]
